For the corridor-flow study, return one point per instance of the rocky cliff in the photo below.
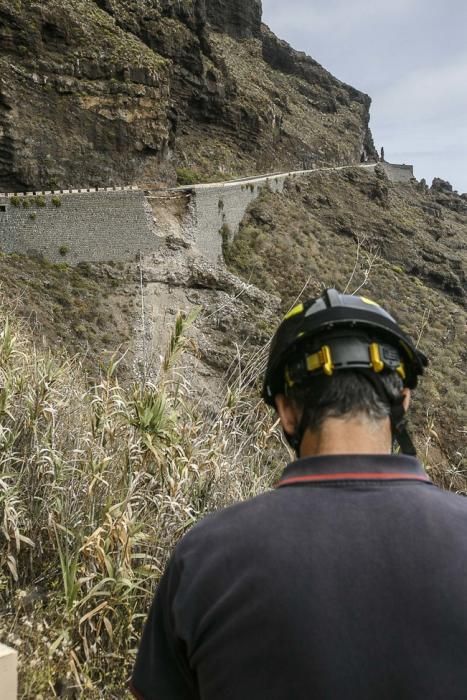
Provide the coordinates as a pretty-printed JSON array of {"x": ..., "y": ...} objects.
[
  {"x": 81, "y": 101},
  {"x": 240, "y": 19},
  {"x": 127, "y": 91}
]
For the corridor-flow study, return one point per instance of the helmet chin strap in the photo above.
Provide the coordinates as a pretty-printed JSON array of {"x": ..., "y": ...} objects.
[
  {"x": 400, "y": 433},
  {"x": 295, "y": 439},
  {"x": 399, "y": 429},
  {"x": 397, "y": 416}
]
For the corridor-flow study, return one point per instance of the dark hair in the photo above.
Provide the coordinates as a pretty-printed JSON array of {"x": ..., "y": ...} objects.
[{"x": 346, "y": 393}]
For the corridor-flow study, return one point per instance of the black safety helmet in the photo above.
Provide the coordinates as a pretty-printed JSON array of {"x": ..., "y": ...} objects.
[{"x": 336, "y": 332}]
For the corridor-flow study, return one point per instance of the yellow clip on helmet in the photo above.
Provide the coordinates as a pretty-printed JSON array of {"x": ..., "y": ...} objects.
[{"x": 340, "y": 331}]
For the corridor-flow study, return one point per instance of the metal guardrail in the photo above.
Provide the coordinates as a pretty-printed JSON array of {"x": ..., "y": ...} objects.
[{"x": 82, "y": 190}]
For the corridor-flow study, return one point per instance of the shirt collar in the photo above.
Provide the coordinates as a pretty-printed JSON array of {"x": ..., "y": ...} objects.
[{"x": 331, "y": 468}]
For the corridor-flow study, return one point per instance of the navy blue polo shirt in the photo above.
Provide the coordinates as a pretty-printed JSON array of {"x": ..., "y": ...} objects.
[{"x": 348, "y": 581}]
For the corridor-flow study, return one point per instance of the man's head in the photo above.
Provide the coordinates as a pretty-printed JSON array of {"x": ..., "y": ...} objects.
[
  {"x": 347, "y": 415},
  {"x": 342, "y": 358}
]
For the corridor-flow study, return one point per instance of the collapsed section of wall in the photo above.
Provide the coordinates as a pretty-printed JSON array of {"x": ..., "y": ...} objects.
[{"x": 77, "y": 227}]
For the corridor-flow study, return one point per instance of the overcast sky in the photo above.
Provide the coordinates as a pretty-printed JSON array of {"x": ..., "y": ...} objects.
[{"x": 410, "y": 56}]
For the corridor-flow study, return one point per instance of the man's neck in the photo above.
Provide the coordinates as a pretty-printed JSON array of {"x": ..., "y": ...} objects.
[{"x": 348, "y": 436}]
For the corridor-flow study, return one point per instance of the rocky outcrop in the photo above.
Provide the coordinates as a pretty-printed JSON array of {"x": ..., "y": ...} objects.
[
  {"x": 325, "y": 92},
  {"x": 281, "y": 56},
  {"x": 102, "y": 92},
  {"x": 444, "y": 195},
  {"x": 439, "y": 185},
  {"x": 240, "y": 19}
]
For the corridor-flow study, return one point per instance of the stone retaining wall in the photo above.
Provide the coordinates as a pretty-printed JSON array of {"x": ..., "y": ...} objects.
[
  {"x": 73, "y": 227},
  {"x": 398, "y": 173}
]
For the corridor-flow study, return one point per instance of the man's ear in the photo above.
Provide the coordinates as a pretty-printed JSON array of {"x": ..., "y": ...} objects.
[
  {"x": 407, "y": 397},
  {"x": 288, "y": 413}
]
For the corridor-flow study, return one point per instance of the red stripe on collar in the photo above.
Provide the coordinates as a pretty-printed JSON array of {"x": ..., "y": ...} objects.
[
  {"x": 353, "y": 476},
  {"x": 135, "y": 692}
]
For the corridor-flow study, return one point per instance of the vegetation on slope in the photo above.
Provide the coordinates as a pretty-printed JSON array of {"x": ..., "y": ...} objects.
[
  {"x": 402, "y": 245},
  {"x": 96, "y": 486},
  {"x": 90, "y": 309}
]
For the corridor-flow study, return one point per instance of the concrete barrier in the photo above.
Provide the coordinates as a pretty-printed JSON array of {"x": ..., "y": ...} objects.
[{"x": 8, "y": 673}]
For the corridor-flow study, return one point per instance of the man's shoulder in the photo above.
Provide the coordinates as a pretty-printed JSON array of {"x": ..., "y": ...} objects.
[
  {"x": 238, "y": 522},
  {"x": 449, "y": 500}
]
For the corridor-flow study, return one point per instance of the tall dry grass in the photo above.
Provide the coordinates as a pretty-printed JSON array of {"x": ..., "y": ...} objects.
[{"x": 96, "y": 486}]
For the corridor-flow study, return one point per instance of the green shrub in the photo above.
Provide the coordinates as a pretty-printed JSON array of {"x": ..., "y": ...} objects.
[
  {"x": 40, "y": 201},
  {"x": 56, "y": 201},
  {"x": 186, "y": 176},
  {"x": 15, "y": 201},
  {"x": 226, "y": 235},
  {"x": 63, "y": 250},
  {"x": 26, "y": 203},
  {"x": 80, "y": 330}
]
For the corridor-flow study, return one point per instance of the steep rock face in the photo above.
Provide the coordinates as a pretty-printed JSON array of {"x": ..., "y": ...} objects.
[
  {"x": 256, "y": 116},
  {"x": 99, "y": 92},
  {"x": 334, "y": 93},
  {"x": 81, "y": 102}
]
